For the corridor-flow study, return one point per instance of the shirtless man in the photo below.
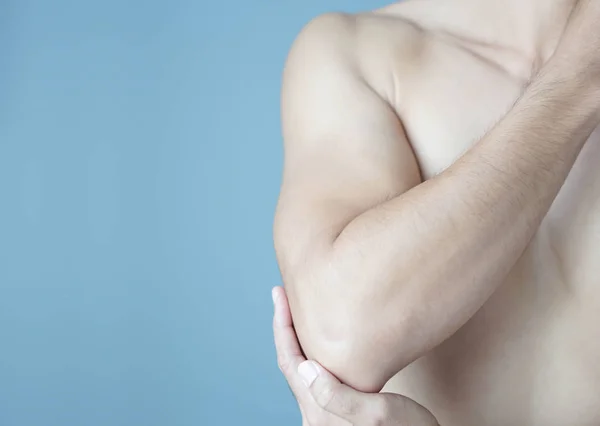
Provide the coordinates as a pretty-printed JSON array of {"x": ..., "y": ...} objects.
[{"x": 438, "y": 227}]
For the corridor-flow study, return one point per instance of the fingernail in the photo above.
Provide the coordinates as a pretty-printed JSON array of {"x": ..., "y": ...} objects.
[
  {"x": 308, "y": 371},
  {"x": 274, "y": 294}
]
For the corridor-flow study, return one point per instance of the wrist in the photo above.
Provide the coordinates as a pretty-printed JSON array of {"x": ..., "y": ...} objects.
[
  {"x": 580, "y": 74},
  {"x": 574, "y": 87}
]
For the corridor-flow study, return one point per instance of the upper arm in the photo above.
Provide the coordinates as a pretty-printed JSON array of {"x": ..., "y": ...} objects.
[
  {"x": 345, "y": 147},
  {"x": 345, "y": 152}
]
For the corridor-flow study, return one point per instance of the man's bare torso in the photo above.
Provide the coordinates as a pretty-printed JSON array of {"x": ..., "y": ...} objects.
[{"x": 530, "y": 355}]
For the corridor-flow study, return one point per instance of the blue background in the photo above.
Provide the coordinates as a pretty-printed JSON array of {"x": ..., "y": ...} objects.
[{"x": 140, "y": 163}]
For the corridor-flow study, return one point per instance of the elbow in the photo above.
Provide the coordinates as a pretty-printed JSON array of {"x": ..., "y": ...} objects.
[
  {"x": 353, "y": 363},
  {"x": 355, "y": 350},
  {"x": 357, "y": 335}
]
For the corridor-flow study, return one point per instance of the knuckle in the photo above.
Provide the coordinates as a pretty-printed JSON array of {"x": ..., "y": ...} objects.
[
  {"x": 381, "y": 413},
  {"x": 353, "y": 408},
  {"x": 324, "y": 395},
  {"x": 377, "y": 421},
  {"x": 349, "y": 405}
]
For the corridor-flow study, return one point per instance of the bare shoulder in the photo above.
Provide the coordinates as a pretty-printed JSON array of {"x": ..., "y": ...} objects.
[
  {"x": 333, "y": 28},
  {"x": 327, "y": 39},
  {"x": 380, "y": 48},
  {"x": 362, "y": 30}
]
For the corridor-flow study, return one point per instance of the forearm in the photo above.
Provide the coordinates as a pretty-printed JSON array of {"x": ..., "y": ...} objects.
[{"x": 413, "y": 270}]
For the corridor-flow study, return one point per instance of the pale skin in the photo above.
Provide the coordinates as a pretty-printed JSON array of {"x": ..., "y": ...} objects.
[
  {"x": 439, "y": 215},
  {"x": 322, "y": 398}
]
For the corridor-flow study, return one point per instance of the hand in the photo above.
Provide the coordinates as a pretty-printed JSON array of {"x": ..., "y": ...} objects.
[{"x": 323, "y": 399}]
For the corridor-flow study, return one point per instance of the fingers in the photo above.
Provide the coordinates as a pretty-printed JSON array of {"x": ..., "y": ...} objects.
[
  {"x": 326, "y": 391},
  {"x": 359, "y": 408},
  {"x": 289, "y": 354},
  {"x": 336, "y": 398}
]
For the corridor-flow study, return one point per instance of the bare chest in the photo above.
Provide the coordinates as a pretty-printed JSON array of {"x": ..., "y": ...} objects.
[
  {"x": 537, "y": 340},
  {"x": 453, "y": 102}
]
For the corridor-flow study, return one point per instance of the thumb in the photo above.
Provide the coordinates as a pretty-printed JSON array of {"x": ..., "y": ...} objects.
[{"x": 332, "y": 395}]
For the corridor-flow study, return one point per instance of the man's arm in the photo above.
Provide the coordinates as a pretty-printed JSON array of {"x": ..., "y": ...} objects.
[
  {"x": 379, "y": 267},
  {"x": 323, "y": 400}
]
